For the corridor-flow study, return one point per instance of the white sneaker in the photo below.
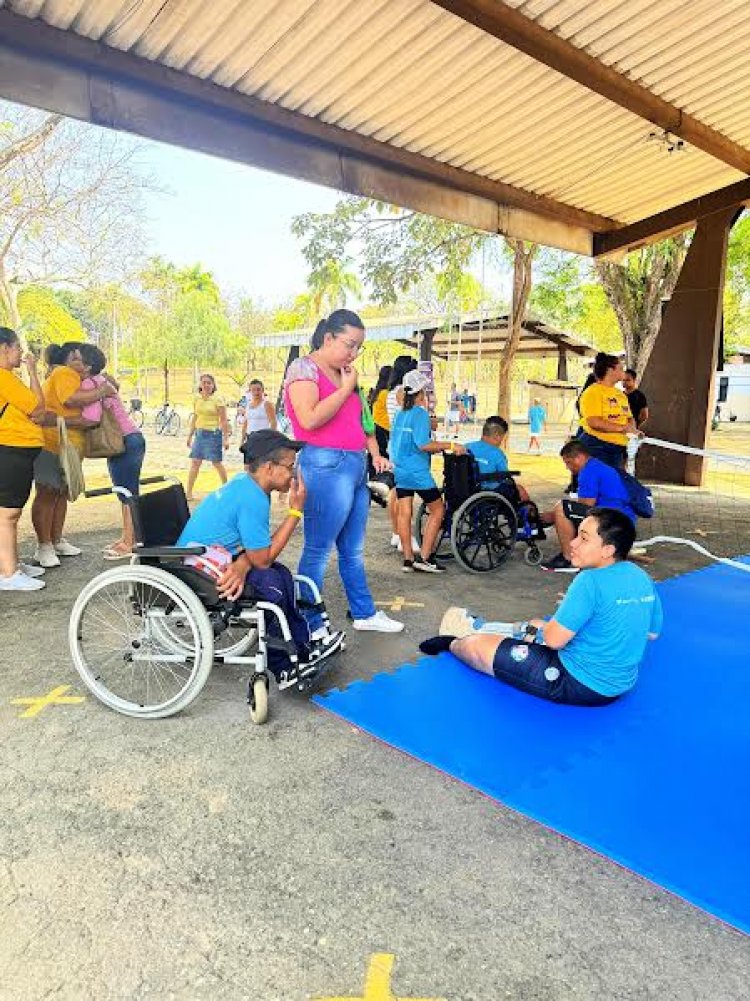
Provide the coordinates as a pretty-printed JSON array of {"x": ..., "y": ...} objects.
[
  {"x": 31, "y": 571},
  {"x": 395, "y": 541},
  {"x": 456, "y": 622},
  {"x": 46, "y": 556},
  {"x": 20, "y": 582},
  {"x": 378, "y": 623},
  {"x": 65, "y": 548}
]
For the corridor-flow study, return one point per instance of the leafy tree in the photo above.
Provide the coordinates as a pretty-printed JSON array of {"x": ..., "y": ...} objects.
[
  {"x": 45, "y": 320},
  {"x": 737, "y": 287},
  {"x": 330, "y": 284},
  {"x": 70, "y": 209}
]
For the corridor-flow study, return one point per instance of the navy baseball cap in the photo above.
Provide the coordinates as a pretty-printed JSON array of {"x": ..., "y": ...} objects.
[{"x": 263, "y": 442}]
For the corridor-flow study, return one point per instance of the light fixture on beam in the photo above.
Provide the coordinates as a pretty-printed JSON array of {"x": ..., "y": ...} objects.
[{"x": 666, "y": 141}]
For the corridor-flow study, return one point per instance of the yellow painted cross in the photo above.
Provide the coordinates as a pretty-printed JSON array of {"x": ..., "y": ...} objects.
[
  {"x": 378, "y": 982},
  {"x": 399, "y": 602},
  {"x": 56, "y": 697}
]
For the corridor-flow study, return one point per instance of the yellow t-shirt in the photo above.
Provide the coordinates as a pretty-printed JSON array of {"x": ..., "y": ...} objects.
[
  {"x": 16, "y": 403},
  {"x": 609, "y": 403},
  {"x": 380, "y": 411},
  {"x": 59, "y": 387},
  {"x": 207, "y": 412}
]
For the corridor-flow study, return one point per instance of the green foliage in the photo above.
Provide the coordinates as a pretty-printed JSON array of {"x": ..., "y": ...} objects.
[
  {"x": 737, "y": 287},
  {"x": 45, "y": 320}
]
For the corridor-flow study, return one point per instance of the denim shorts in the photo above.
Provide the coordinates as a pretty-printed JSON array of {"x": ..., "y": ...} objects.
[
  {"x": 538, "y": 670},
  {"x": 208, "y": 445}
]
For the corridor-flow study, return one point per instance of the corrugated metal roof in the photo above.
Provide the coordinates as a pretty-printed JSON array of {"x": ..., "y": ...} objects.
[{"x": 408, "y": 73}]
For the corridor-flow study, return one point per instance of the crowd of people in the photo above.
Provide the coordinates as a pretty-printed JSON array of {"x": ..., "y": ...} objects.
[{"x": 342, "y": 442}]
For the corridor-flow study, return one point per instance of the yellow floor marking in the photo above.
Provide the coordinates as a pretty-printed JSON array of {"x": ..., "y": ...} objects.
[
  {"x": 56, "y": 697},
  {"x": 378, "y": 982},
  {"x": 399, "y": 602}
]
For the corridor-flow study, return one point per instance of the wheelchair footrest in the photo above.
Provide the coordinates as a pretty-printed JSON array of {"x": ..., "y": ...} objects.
[{"x": 311, "y": 606}]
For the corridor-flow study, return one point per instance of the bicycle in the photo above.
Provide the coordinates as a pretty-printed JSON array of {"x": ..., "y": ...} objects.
[
  {"x": 135, "y": 413},
  {"x": 167, "y": 420}
]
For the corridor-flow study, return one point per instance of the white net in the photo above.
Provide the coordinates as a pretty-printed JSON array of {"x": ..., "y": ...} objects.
[{"x": 713, "y": 519}]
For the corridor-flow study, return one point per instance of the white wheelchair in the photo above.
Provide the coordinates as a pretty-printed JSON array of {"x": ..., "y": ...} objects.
[{"x": 144, "y": 636}]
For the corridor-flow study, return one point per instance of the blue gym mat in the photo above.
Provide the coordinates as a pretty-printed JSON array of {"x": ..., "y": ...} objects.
[{"x": 659, "y": 781}]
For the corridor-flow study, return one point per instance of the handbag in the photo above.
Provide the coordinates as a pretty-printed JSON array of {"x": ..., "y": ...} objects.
[
  {"x": 106, "y": 439},
  {"x": 71, "y": 463}
]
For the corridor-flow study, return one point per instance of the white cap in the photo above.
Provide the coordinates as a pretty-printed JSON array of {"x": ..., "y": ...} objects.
[{"x": 414, "y": 382}]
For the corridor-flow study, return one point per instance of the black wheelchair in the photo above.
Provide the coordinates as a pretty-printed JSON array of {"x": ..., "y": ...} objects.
[
  {"x": 144, "y": 636},
  {"x": 482, "y": 525}
]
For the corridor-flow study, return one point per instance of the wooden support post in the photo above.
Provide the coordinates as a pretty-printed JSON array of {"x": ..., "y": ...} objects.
[
  {"x": 679, "y": 377},
  {"x": 562, "y": 363},
  {"x": 425, "y": 345}
]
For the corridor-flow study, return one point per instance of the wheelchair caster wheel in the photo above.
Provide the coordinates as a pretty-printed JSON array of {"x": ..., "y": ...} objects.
[
  {"x": 258, "y": 699},
  {"x": 533, "y": 556}
]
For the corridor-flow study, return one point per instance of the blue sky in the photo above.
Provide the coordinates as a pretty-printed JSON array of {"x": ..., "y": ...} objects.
[{"x": 234, "y": 219}]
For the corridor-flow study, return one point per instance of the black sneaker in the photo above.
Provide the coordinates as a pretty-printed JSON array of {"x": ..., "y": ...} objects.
[
  {"x": 558, "y": 564},
  {"x": 428, "y": 566},
  {"x": 408, "y": 566}
]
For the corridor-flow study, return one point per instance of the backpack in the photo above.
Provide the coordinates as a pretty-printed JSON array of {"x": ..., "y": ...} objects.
[{"x": 639, "y": 497}]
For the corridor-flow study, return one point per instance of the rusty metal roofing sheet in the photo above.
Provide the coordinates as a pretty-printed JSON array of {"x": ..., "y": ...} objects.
[{"x": 408, "y": 73}]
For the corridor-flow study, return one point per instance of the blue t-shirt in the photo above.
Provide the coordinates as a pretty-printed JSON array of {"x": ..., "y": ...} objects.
[
  {"x": 409, "y": 431},
  {"x": 604, "y": 484},
  {"x": 236, "y": 516},
  {"x": 537, "y": 418},
  {"x": 611, "y": 611},
  {"x": 490, "y": 459}
]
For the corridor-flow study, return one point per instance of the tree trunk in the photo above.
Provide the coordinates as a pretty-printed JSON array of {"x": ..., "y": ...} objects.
[
  {"x": 9, "y": 298},
  {"x": 523, "y": 258}
]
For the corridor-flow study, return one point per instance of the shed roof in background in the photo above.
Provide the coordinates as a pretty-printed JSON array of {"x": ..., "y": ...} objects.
[{"x": 529, "y": 117}]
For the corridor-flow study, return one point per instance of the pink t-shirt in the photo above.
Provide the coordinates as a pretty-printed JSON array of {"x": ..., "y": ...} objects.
[
  {"x": 93, "y": 411},
  {"x": 344, "y": 430}
]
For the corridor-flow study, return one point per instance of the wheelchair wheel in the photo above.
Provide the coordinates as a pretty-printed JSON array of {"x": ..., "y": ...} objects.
[
  {"x": 484, "y": 532},
  {"x": 122, "y": 659},
  {"x": 259, "y": 699},
  {"x": 443, "y": 550},
  {"x": 174, "y": 632},
  {"x": 532, "y": 556}
]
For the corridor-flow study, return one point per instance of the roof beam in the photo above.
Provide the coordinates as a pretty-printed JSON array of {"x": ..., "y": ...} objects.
[
  {"x": 507, "y": 24},
  {"x": 64, "y": 72},
  {"x": 671, "y": 221}
]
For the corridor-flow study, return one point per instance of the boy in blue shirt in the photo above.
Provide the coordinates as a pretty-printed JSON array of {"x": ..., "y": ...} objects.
[
  {"x": 488, "y": 451},
  {"x": 599, "y": 485},
  {"x": 537, "y": 420},
  {"x": 590, "y": 651},
  {"x": 236, "y": 517},
  {"x": 410, "y": 448}
]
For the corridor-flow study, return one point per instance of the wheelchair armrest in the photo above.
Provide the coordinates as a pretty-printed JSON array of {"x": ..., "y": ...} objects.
[{"x": 169, "y": 552}]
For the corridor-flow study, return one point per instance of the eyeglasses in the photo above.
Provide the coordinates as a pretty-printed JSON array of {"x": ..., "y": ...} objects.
[
  {"x": 354, "y": 348},
  {"x": 286, "y": 465}
]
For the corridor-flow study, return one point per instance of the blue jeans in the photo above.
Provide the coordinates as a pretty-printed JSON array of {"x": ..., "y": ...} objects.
[
  {"x": 605, "y": 451},
  {"x": 336, "y": 512},
  {"x": 125, "y": 469}
]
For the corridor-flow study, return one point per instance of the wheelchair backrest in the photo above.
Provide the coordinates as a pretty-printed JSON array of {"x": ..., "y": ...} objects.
[
  {"x": 461, "y": 478},
  {"x": 160, "y": 516}
]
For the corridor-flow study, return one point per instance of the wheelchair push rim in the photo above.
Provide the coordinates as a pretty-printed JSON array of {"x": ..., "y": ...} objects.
[
  {"x": 483, "y": 532},
  {"x": 121, "y": 659}
]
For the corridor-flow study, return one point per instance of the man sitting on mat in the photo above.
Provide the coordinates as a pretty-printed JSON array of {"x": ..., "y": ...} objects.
[
  {"x": 599, "y": 485},
  {"x": 589, "y": 653},
  {"x": 236, "y": 518}
]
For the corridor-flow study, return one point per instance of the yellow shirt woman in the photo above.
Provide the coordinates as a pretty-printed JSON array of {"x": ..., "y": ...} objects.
[
  {"x": 206, "y": 410},
  {"x": 17, "y": 401},
  {"x": 59, "y": 386},
  {"x": 380, "y": 410},
  {"x": 610, "y": 404}
]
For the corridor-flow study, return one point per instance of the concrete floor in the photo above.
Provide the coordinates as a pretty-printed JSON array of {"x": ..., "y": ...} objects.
[{"x": 202, "y": 857}]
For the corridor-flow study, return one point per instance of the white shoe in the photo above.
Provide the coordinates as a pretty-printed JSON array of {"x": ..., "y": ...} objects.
[
  {"x": 46, "y": 556},
  {"x": 20, "y": 582},
  {"x": 378, "y": 623},
  {"x": 395, "y": 541},
  {"x": 65, "y": 548},
  {"x": 400, "y": 548},
  {"x": 456, "y": 622},
  {"x": 31, "y": 571}
]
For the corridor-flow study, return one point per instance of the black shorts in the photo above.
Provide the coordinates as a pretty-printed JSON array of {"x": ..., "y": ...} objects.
[
  {"x": 538, "y": 670},
  {"x": 16, "y": 475},
  {"x": 428, "y": 496},
  {"x": 575, "y": 511}
]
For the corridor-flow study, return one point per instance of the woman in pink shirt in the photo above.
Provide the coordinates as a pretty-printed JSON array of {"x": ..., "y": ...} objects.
[
  {"x": 124, "y": 469},
  {"x": 325, "y": 408}
]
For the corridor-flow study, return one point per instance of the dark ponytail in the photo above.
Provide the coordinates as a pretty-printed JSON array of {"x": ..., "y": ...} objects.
[
  {"x": 54, "y": 355},
  {"x": 603, "y": 363},
  {"x": 334, "y": 325}
]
